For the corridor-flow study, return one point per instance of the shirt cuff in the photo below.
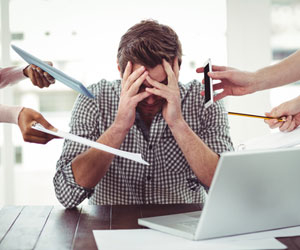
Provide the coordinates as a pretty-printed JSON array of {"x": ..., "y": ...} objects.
[{"x": 10, "y": 114}]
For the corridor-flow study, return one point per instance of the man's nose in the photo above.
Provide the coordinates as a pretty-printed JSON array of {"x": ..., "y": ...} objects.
[{"x": 150, "y": 100}]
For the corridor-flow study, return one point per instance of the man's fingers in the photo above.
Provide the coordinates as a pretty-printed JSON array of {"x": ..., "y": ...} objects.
[
  {"x": 176, "y": 67},
  {"x": 127, "y": 73},
  {"x": 136, "y": 85},
  {"x": 141, "y": 96},
  {"x": 155, "y": 84},
  {"x": 133, "y": 77},
  {"x": 171, "y": 75}
]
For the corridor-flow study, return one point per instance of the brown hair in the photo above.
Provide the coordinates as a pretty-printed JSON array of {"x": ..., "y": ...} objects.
[{"x": 147, "y": 43}]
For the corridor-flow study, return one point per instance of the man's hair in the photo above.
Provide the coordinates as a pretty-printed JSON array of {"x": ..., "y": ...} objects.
[{"x": 147, "y": 43}]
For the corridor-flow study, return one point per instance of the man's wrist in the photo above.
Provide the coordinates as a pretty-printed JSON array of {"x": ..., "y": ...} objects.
[
  {"x": 178, "y": 126},
  {"x": 119, "y": 129}
]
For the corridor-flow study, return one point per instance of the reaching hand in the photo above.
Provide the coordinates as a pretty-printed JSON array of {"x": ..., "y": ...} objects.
[
  {"x": 232, "y": 81},
  {"x": 290, "y": 110},
  {"x": 27, "y": 118},
  {"x": 39, "y": 77}
]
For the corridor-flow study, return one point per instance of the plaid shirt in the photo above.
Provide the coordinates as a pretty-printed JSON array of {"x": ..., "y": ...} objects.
[{"x": 168, "y": 179}]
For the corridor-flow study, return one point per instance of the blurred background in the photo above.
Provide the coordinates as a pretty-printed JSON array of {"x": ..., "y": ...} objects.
[{"x": 81, "y": 38}]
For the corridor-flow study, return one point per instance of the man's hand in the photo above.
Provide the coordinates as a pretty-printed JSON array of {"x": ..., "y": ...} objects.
[
  {"x": 39, "y": 77},
  {"x": 172, "y": 108},
  {"x": 290, "y": 110},
  {"x": 232, "y": 81},
  {"x": 27, "y": 118},
  {"x": 130, "y": 97}
]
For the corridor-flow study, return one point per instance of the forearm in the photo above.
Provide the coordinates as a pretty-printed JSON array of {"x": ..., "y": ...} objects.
[
  {"x": 11, "y": 75},
  {"x": 90, "y": 167},
  {"x": 279, "y": 74},
  {"x": 200, "y": 157}
]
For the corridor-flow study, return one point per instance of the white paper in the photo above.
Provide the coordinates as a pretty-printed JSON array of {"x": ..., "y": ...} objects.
[
  {"x": 272, "y": 141},
  {"x": 128, "y": 155},
  {"x": 285, "y": 232},
  {"x": 147, "y": 239}
]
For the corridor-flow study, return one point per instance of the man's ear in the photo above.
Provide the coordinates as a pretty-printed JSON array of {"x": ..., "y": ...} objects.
[{"x": 121, "y": 75}]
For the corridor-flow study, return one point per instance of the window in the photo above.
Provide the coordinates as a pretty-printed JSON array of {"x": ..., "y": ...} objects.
[{"x": 285, "y": 21}]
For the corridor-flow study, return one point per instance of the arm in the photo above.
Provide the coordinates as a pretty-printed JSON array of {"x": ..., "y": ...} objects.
[
  {"x": 282, "y": 73},
  {"x": 90, "y": 167},
  {"x": 80, "y": 169},
  {"x": 24, "y": 118},
  {"x": 200, "y": 157},
  {"x": 38, "y": 77},
  {"x": 235, "y": 82},
  {"x": 11, "y": 75}
]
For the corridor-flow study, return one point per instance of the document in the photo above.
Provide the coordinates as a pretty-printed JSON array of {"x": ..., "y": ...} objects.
[
  {"x": 272, "y": 141},
  {"x": 148, "y": 239},
  {"x": 128, "y": 155}
]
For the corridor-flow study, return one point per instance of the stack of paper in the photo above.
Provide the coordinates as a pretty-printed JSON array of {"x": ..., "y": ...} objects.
[
  {"x": 272, "y": 141},
  {"x": 146, "y": 239}
]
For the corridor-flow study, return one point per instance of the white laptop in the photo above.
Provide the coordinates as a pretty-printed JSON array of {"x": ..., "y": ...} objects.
[{"x": 251, "y": 191}]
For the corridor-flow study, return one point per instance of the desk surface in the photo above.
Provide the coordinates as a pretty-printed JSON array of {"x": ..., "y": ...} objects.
[{"x": 48, "y": 227}]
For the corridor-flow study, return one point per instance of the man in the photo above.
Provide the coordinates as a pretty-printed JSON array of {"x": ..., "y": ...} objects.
[
  {"x": 25, "y": 117},
  {"x": 146, "y": 112},
  {"x": 236, "y": 83}
]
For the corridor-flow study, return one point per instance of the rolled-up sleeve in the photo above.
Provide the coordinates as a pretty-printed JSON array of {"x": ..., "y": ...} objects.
[
  {"x": 84, "y": 123},
  {"x": 215, "y": 130}
]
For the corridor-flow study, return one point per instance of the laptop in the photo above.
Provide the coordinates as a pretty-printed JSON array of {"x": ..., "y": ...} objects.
[{"x": 251, "y": 191}]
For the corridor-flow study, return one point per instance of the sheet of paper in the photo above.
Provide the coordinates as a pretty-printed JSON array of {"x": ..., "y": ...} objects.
[
  {"x": 128, "y": 155},
  {"x": 285, "y": 232},
  {"x": 147, "y": 239},
  {"x": 272, "y": 141}
]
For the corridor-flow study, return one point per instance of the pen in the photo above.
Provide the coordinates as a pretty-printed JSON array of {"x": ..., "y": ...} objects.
[{"x": 281, "y": 119}]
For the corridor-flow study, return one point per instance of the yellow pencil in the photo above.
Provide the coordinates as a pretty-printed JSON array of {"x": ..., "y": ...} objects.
[{"x": 281, "y": 119}]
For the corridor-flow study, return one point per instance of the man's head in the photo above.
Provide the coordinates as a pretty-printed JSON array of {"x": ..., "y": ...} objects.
[{"x": 147, "y": 43}]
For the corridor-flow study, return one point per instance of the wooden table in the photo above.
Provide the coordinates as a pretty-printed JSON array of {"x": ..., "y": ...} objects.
[{"x": 48, "y": 227}]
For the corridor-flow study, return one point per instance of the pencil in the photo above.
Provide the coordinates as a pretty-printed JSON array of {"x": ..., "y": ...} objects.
[{"x": 281, "y": 119}]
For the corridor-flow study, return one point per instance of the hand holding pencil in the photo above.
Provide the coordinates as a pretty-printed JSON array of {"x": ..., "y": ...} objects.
[{"x": 286, "y": 116}]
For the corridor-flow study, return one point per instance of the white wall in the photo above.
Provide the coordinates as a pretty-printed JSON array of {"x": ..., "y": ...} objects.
[{"x": 248, "y": 48}]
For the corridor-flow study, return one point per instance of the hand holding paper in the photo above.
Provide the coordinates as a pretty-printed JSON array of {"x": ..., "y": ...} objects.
[{"x": 128, "y": 155}]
